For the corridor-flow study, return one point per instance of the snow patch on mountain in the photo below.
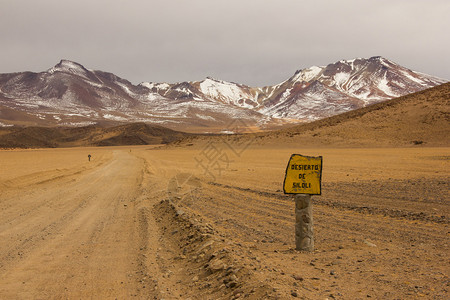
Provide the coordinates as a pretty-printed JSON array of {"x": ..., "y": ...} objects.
[
  {"x": 5, "y": 125},
  {"x": 204, "y": 117},
  {"x": 156, "y": 86},
  {"x": 307, "y": 75},
  {"x": 341, "y": 79},
  {"x": 227, "y": 92},
  {"x": 412, "y": 78},
  {"x": 126, "y": 89},
  {"x": 68, "y": 66},
  {"x": 153, "y": 96},
  {"x": 383, "y": 86},
  {"x": 114, "y": 117}
]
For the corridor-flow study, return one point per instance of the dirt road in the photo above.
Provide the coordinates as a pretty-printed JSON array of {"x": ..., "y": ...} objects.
[
  {"x": 73, "y": 229},
  {"x": 76, "y": 235}
]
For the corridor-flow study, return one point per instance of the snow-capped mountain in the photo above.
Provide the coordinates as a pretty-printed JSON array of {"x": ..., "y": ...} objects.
[
  {"x": 70, "y": 94},
  {"x": 318, "y": 92}
]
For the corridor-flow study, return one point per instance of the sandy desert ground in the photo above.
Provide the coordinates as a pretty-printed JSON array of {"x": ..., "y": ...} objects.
[{"x": 210, "y": 221}]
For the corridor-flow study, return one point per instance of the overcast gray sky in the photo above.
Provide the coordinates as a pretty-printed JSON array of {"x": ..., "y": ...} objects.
[{"x": 254, "y": 42}]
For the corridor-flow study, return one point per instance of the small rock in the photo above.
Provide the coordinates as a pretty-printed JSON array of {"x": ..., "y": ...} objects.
[
  {"x": 294, "y": 294},
  {"x": 216, "y": 265},
  {"x": 370, "y": 244}
]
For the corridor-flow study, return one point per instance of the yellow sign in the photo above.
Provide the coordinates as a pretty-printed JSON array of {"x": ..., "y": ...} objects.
[{"x": 303, "y": 175}]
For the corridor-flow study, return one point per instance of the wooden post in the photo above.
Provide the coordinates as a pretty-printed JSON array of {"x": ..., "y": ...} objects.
[{"x": 304, "y": 234}]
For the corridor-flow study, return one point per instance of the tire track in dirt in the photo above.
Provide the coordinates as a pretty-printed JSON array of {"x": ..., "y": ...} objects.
[
  {"x": 243, "y": 218},
  {"x": 45, "y": 211},
  {"x": 186, "y": 258},
  {"x": 35, "y": 195},
  {"x": 87, "y": 249},
  {"x": 371, "y": 241},
  {"x": 365, "y": 209},
  {"x": 251, "y": 219},
  {"x": 43, "y": 177},
  {"x": 200, "y": 263},
  {"x": 148, "y": 284},
  {"x": 266, "y": 208},
  {"x": 106, "y": 234}
]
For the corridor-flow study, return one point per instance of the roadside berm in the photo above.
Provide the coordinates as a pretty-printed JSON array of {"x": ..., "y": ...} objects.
[{"x": 208, "y": 267}]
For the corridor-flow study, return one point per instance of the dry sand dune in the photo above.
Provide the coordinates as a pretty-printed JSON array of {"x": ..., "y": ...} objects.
[{"x": 105, "y": 229}]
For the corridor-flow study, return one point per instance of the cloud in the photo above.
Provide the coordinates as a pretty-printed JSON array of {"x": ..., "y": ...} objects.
[{"x": 256, "y": 42}]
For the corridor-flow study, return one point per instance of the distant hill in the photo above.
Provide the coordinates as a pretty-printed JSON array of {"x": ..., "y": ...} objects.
[{"x": 52, "y": 137}]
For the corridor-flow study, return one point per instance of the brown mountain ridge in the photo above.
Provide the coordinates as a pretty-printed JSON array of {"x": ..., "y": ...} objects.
[{"x": 55, "y": 137}]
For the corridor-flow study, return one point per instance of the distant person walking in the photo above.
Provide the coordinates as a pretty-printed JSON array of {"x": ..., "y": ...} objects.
[{"x": 89, "y": 157}]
